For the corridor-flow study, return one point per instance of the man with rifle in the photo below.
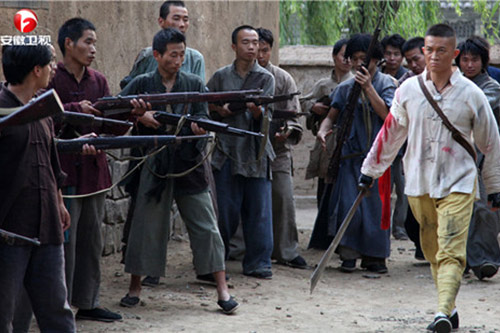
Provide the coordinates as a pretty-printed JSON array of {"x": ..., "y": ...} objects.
[
  {"x": 150, "y": 219},
  {"x": 364, "y": 238},
  {"x": 172, "y": 14},
  {"x": 440, "y": 112},
  {"x": 317, "y": 102},
  {"x": 241, "y": 166},
  {"x": 31, "y": 201},
  {"x": 78, "y": 87},
  {"x": 283, "y": 134}
]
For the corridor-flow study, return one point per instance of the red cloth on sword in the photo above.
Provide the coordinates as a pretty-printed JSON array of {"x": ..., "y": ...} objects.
[{"x": 384, "y": 190}]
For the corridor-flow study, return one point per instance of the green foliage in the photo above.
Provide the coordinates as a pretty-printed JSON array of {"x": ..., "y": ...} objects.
[{"x": 324, "y": 22}]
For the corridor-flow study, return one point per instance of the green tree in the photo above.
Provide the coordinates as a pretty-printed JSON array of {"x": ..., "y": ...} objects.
[{"x": 324, "y": 22}]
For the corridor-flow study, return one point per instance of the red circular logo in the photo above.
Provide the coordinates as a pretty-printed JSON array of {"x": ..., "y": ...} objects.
[{"x": 25, "y": 20}]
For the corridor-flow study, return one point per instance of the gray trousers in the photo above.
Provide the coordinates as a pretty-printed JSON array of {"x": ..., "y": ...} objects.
[
  {"x": 284, "y": 226},
  {"x": 84, "y": 250},
  {"x": 482, "y": 243},
  {"x": 401, "y": 206},
  {"x": 149, "y": 231},
  {"x": 41, "y": 271}
]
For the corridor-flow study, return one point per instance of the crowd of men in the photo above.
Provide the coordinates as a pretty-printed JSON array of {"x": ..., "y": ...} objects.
[{"x": 444, "y": 205}]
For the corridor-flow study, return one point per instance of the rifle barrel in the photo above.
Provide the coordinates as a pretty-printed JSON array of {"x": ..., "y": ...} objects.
[
  {"x": 76, "y": 118},
  {"x": 123, "y": 102},
  {"x": 207, "y": 124},
  {"x": 149, "y": 141}
]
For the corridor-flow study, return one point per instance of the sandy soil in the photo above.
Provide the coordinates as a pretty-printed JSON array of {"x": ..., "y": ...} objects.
[{"x": 403, "y": 300}]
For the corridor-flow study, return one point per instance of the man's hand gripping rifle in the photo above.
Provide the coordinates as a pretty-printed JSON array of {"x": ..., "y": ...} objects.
[{"x": 121, "y": 104}]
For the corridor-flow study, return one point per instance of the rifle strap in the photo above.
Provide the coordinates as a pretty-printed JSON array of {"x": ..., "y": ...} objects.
[{"x": 454, "y": 132}]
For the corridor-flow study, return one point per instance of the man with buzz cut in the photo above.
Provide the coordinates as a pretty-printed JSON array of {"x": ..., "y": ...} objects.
[
  {"x": 242, "y": 165},
  {"x": 79, "y": 86},
  {"x": 150, "y": 218},
  {"x": 173, "y": 14},
  {"x": 441, "y": 172}
]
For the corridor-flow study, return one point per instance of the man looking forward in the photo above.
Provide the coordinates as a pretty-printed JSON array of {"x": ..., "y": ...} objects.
[
  {"x": 243, "y": 178},
  {"x": 441, "y": 175}
]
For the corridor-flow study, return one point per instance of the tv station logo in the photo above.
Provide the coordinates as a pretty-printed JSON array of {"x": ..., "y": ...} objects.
[{"x": 25, "y": 21}]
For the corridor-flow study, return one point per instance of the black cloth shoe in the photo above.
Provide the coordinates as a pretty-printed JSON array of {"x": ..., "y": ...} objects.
[
  {"x": 453, "y": 320},
  {"x": 150, "y": 281},
  {"x": 263, "y": 273},
  {"x": 229, "y": 306},
  {"x": 298, "y": 262},
  {"x": 98, "y": 314},
  {"x": 375, "y": 265},
  {"x": 486, "y": 270},
  {"x": 129, "y": 301},
  {"x": 419, "y": 255},
  {"x": 348, "y": 266},
  {"x": 208, "y": 277}
]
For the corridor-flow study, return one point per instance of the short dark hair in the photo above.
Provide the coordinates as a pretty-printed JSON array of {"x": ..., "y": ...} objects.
[
  {"x": 73, "y": 29},
  {"x": 265, "y": 35},
  {"x": 165, "y": 8},
  {"x": 475, "y": 45},
  {"x": 413, "y": 43},
  {"x": 338, "y": 45},
  {"x": 19, "y": 60},
  {"x": 234, "y": 35},
  {"x": 361, "y": 42},
  {"x": 167, "y": 36},
  {"x": 441, "y": 30},
  {"x": 395, "y": 40}
]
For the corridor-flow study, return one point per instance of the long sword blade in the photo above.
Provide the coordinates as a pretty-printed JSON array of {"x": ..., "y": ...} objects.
[{"x": 336, "y": 240}]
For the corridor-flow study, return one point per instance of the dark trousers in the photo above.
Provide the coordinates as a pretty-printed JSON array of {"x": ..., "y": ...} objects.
[
  {"x": 41, "y": 271},
  {"x": 248, "y": 199}
]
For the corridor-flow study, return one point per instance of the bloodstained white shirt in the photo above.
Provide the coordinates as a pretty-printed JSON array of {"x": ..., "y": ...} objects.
[{"x": 434, "y": 163}]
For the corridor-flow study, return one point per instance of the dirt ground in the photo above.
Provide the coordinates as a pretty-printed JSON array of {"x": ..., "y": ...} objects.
[{"x": 403, "y": 300}]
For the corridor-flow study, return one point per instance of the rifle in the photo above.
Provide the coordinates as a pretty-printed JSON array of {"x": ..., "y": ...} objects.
[
  {"x": 77, "y": 118},
  {"x": 121, "y": 104},
  {"x": 348, "y": 114},
  {"x": 148, "y": 141},
  {"x": 207, "y": 124},
  {"x": 11, "y": 237},
  {"x": 240, "y": 105},
  {"x": 286, "y": 114},
  {"x": 47, "y": 104}
]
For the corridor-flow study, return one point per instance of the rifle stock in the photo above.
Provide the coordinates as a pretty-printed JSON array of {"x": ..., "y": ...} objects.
[
  {"x": 207, "y": 124},
  {"x": 147, "y": 141},
  {"x": 47, "y": 104},
  {"x": 345, "y": 123},
  {"x": 121, "y": 104}
]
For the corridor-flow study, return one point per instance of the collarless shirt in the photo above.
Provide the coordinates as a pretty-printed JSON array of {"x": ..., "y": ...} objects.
[
  {"x": 88, "y": 173},
  {"x": 434, "y": 162},
  {"x": 284, "y": 84},
  {"x": 186, "y": 155},
  {"x": 29, "y": 203},
  {"x": 243, "y": 151}
]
